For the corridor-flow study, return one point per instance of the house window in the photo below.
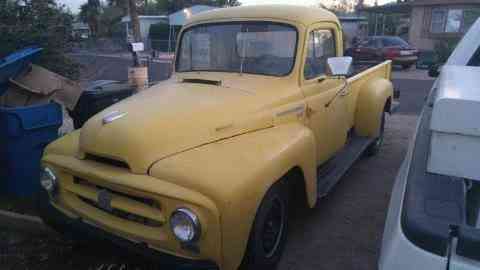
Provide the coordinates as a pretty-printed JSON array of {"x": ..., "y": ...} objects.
[
  {"x": 446, "y": 21},
  {"x": 438, "y": 20},
  {"x": 469, "y": 17},
  {"x": 454, "y": 21}
]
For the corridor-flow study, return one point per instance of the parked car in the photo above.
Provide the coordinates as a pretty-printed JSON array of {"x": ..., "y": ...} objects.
[
  {"x": 377, "y": 49},
  {"x": 433, "y": 217},
  {"x": 200, "y": 169}
]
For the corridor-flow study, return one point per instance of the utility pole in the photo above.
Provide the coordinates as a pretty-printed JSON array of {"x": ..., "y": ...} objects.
[
  {"x": 137, "y": 75},
  {"x": 135, "y": 28}
]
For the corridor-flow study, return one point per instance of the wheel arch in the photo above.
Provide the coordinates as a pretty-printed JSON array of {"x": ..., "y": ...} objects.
[
  {"x": 375, "y": 97},
  {"x": 298, "y": 191}
]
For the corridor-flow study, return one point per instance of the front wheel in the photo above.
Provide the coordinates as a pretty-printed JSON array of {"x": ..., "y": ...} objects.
[
  {"x": 374, "y": 148},
  {"x": 269, "y": 231}
]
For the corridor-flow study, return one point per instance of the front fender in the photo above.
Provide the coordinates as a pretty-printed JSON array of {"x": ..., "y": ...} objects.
[
  {"x": 237, "y": 172},
  {"x": 66, "y": 145},
  {"x": 372, "y": 98}
]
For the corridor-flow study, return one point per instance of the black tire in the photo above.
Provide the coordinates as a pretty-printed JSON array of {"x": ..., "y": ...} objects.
[
  {"x": 269, "y": 231},
  {"x": 406, "y": 66},
  {"x": 376, "y": 145}
]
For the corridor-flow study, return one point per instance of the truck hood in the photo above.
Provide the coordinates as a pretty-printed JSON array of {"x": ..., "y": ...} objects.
[{"x": 170, "y": 118}]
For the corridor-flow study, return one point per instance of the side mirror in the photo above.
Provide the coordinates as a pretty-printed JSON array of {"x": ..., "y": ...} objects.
[
  {"x": 339, "y": 66},
  {"x": 434, "y": 71}
]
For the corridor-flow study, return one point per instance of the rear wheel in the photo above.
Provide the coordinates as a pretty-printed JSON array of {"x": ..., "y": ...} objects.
[
  {"x": 269, "y": 231},
  {"x": 376, "y": 145},
  {"x": 406, "y": 66}
]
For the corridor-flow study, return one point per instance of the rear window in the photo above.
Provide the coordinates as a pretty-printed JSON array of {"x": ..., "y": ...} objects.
[
  {"x": 475, "y": 61},
  {"x": 394, "y": 41}
]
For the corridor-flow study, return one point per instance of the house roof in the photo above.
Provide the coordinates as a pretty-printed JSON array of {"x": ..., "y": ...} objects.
[
  {"x": 352, "y": 18},
  {"x": 80, "y": 26},
  {"x": 403, "y": 7},
  {"x": 158, "y": 18},
  {"x": 444, "y": 2},
  {"x": 406, "y": 7},
  {"x": 180, "y": 17},
  {"x": 299, "y": 14}
]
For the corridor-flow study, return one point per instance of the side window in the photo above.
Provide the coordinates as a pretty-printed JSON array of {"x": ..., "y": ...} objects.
[
  {"x": 363, "y": 43},
  {"x": 321, "y": 46},
  {"x": 373, "y": 43}
]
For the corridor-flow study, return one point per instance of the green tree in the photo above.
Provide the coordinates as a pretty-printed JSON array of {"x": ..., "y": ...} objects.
[
  {"x": 109, "y": 19},
  {"x": 227, "y": 3},
  {"x": 42, "y": 23},
  {"x": 90, "y": 14},
  {"x": 122, "y": 4}
]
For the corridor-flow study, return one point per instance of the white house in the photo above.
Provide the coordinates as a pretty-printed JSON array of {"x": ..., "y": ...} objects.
[{"x": 145, "y": 23}]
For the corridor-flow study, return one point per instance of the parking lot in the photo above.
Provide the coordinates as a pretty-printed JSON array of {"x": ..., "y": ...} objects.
[{"x": 343, "y": 232}]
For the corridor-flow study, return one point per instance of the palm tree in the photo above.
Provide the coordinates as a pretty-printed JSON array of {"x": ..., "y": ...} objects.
[
  {"x": 132, "y": 4},
  {"x": 123, "y": 4},
  {"x": 90, "y": 14}
]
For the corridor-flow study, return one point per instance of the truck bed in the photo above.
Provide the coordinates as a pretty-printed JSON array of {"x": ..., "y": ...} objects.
[{"x": 436, "y": 208}]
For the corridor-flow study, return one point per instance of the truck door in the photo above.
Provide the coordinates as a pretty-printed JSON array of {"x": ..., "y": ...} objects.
[{"x": 326, "y": 110}]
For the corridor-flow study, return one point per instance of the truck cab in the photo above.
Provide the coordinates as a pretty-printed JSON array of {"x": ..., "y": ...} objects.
[{"x": 261, "y": 111}]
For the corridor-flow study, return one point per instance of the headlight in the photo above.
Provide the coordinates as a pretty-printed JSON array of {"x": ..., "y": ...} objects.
[
  {"x": 185, "y": 225},
  {"x": 48, "y": 180}
]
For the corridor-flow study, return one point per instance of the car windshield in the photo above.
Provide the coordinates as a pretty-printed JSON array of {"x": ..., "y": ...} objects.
[
  {"x": 265, "y": 48},
  {"x": 394, "y": 41}
]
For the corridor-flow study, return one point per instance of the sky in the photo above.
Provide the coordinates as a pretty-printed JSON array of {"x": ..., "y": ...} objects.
[{"x": 75, "y": 4}]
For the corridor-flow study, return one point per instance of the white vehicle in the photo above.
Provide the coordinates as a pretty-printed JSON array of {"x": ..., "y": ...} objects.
[{"x": 433, "y": 221}]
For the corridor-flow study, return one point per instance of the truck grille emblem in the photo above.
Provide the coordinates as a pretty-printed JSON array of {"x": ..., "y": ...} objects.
[
  {"x": 115, "y": 115},
  {"x": 105, "y": 200}
]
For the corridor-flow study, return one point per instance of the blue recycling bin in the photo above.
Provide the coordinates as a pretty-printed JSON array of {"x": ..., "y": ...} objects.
[
  {"x": 13, "y": 64},
  {"x": 24, "y": 132}
]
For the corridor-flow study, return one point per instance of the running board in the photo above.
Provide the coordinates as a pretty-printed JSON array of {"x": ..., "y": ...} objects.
[{"x": 329, "y": 174}]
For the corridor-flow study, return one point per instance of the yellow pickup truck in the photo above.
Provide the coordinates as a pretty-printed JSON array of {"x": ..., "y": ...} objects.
[{"x": 202, "y": 170}]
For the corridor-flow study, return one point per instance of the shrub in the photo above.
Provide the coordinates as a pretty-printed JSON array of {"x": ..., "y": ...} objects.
[
  {"x": 444, "y": 48},
  {"x": 42, "y": 23}
]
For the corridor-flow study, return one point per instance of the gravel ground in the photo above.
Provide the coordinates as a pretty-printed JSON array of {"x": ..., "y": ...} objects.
[{"x": 343, "y": 232}]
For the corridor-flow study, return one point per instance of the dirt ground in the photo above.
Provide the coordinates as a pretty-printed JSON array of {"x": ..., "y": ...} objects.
[{"x": 343, "y": 232}]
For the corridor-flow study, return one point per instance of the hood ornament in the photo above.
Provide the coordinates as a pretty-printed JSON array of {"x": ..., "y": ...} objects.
[{"x": 115, "y": 115}]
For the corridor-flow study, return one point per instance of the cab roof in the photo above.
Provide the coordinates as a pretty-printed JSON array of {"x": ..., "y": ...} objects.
[{"x": 299, "y": 14}]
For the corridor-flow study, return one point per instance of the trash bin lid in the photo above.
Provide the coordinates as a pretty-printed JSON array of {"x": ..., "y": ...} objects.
[
  {"x": 97, "y": 85},
  {"x": 13, "y": 64}
]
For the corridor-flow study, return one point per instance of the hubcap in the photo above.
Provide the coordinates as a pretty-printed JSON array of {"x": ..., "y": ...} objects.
[{"x": 273, "y": 227}]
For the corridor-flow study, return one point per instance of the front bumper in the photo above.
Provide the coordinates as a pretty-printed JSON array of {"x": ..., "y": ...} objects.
[
  {"x": 77, "y": 228},
  {"x": 132, "y": 207}
]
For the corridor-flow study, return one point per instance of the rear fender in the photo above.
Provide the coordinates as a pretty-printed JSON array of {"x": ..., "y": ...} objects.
[{"x": 372, "y": 99}]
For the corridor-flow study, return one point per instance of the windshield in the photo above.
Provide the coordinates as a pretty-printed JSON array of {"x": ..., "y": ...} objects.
[
  {"x": 394, "y": 41},
  {"x": 265, "y": 48}
]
